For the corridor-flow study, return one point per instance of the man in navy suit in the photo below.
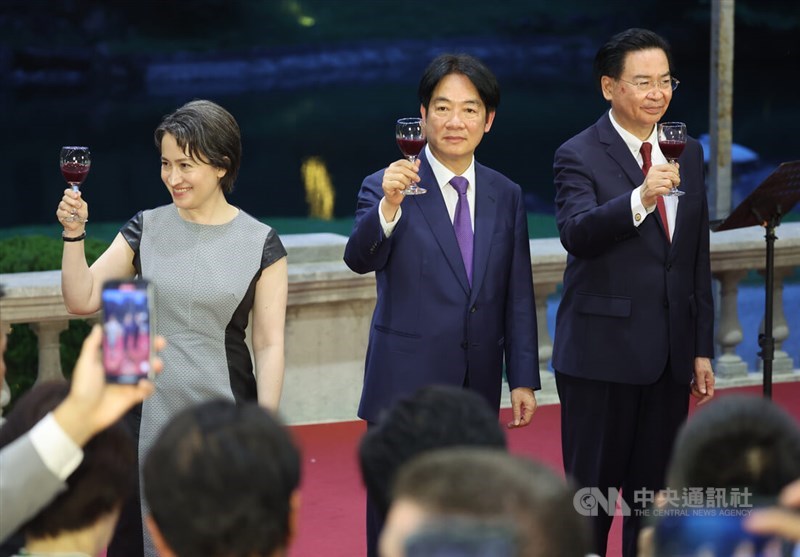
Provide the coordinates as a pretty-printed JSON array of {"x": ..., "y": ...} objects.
[
  {"x": 447, "y": 313},
  {"x": 634, "y": 330}
]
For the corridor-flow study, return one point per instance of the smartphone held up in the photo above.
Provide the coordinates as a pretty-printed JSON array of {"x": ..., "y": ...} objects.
[{"x": 127, "y": 331}]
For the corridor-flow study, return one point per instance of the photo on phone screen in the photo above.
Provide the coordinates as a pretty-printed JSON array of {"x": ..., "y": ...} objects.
[{"x": 127, "y": 338}]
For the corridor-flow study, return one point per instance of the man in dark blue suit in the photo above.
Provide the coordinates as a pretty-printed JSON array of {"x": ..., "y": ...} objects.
[
  {"x": 634, "y": 330},
  {"x": 450, "y": 310}
]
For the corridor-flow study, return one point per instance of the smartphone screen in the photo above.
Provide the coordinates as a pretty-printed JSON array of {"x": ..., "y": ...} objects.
[{"x": 127, "y": 332}]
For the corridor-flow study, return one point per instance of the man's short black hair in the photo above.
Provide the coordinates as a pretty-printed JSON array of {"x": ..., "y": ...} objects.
[
  {"x": 497, "y": 488},
  {"x": 610, "y": 58},
  {"x": 434, "y": 417},
  {"x": 100, "y": 484},
  {"x": 476, "y": 71},
  {"x": 219, "y": 481},
  {"x": 737, "y": 441}
]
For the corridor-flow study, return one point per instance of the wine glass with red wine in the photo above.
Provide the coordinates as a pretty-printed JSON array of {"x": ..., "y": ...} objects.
[
  {"x": 671, "y": 141},
  {"x": 75, "y": 162},
  {"x": 410, "y": 135}
]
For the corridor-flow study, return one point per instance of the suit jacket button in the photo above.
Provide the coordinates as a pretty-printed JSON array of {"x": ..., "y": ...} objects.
[
  {"x": 473, "y": 309},
  {"x": 669, "y": 267},
  {"x": 464, "y": 345},
  {"x": 666, "y": 303}
]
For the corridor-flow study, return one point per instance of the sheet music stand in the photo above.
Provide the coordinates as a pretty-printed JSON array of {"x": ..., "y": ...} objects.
[{"x": 765, "y": 206}]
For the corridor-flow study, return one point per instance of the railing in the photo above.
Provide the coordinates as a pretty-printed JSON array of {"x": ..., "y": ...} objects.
[{"x": 330, "y": 307}]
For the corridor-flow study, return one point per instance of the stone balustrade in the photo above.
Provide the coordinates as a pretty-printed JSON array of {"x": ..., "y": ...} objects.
[{"x": 330, "y": 307}]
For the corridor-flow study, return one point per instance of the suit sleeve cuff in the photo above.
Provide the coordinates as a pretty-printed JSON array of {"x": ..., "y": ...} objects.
[
  {"x": 388, "y": 227},
  {"x": 638, "y": 211},
  {"x": 58, "y": 452}
]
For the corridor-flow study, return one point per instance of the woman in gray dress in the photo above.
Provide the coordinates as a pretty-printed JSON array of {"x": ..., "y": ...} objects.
[{"x": 211, "y": 265}]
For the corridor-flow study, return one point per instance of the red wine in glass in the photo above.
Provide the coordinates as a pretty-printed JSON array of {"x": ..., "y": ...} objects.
[
  {"x": 671, "y": 141},
  {"x": 672, "y": 149},
  {"x": 75, "y": 162},
  {"x": 74, "y": 173},
  {"x": 410, "y": 136},
  {"x": 411, "y": 147}
]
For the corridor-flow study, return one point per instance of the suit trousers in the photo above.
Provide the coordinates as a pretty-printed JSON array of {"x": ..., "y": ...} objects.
[
  {"x": 616, "y": 435},
  {"x": 374, "y": 520}
]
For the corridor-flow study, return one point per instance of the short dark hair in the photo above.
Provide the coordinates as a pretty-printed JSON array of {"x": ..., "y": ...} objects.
[
  {"x": 207, "y": 133},
  {"x": 100, "y": 484},
  {"x": 737, "y": 441},
  {"x": 495, "y": 486},
  {"x": 476, "y": 71},
  {"x": 610, "y": 58},
  {"x": 434, "y": 417},
  {"x": 219, "y": 481}
]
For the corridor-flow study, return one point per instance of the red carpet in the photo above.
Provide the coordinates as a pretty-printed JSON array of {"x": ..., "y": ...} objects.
[{"x": 332, "y": 508}]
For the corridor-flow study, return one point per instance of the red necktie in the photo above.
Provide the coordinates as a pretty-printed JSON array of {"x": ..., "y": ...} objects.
[{"x": 646, "y": 164}]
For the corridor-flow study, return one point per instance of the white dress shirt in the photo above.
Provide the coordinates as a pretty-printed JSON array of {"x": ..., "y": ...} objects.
[
  {"x": 656, "y": 157},
  {"x": 443, "y": 176},
  {"x": 58, "y": 452}
]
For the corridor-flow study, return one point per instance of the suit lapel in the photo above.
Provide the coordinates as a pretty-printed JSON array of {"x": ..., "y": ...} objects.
[
  {"x": 434, "y": 211},
  {"x": 485, "y": 214},
  {"x": 619, "y": 152}
]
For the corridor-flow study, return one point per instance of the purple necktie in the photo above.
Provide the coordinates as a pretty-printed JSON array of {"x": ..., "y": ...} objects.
[{"x": 463, "y": 224}]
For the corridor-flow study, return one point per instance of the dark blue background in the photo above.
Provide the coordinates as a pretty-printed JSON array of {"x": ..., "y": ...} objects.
[{"x": 328, "y": 79}]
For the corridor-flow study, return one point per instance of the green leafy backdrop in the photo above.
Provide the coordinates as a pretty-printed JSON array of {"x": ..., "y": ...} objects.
[{"x": 39, "y": 253}]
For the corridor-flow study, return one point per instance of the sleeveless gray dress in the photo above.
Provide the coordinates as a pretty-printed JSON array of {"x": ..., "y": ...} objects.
[{"x": 204, "y": 279}]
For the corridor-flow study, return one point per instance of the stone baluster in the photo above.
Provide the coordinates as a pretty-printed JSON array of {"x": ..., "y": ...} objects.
[
  {"x": 49, "y": 348},
  {"x": 782, "y": 363},
  {"x": 542, "y": 292},
  {"x": 5, "y": 396},
  {"x": 320, "y": 285},
  {"x": 729, "y": 331}
]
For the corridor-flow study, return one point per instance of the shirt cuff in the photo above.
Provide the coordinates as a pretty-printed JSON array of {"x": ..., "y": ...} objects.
[
  {"x": 58, "y": 452},
  {"x": 388, "y": 227},
  {"x": 638, "y": 211}
]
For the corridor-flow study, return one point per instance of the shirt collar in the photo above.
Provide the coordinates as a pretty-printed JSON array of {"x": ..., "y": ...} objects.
[
  {"x": 633, "y": 142},
  {"x": 444, "y": 175}
]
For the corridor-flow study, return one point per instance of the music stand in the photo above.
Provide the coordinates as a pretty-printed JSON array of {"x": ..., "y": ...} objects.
[{"x": 765, "y": 206}]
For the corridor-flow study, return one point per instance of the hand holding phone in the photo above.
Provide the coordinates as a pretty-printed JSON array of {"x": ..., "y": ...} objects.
[{"x": 127, "y": 331}]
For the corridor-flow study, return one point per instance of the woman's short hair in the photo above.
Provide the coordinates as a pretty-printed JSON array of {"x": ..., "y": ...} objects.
[{"x": 208, "y": 133}]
